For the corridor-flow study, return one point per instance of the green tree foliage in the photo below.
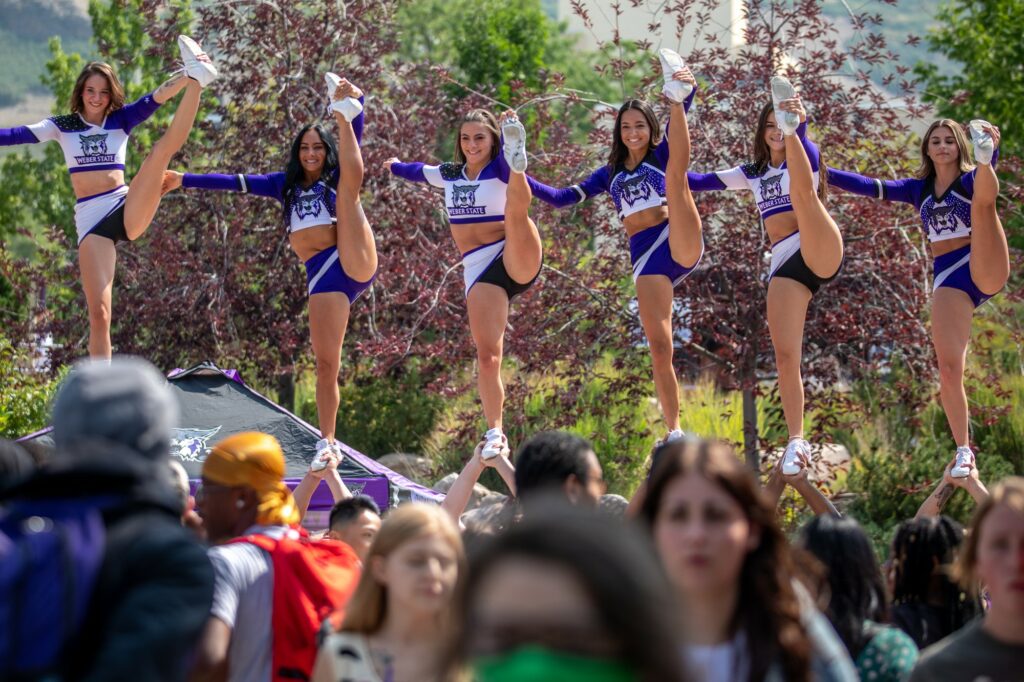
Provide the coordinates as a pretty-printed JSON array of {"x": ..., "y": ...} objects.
[
  {"x": 488, "y": 44},
  {"x": 36, "y": 194},
  {"x": 25, "y": 394},
  {"x": 983, "y": 38}
]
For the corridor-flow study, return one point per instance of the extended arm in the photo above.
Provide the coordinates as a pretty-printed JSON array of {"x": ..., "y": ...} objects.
[
  {"x": 43, "y": 131},
  {"x": 271, "y": 185},
  {"x": 458, "y": 495},
  {"x": 593, "y": 185},
  {"x": 906, "y": 190}
]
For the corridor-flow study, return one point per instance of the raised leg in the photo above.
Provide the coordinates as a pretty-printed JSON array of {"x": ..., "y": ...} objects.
[
  {"x": 356, "y": 246},
  {"x": 820, "y": 240},
  {"x": 787, "y": 311},
  {"x": 685, "y": 240},
  {"x": 487, "y": 305},
  {"x": 144, "y": 192},
  {"x": 328, "y": 320},
  {"x": 990, "y": 254},
  {"x": 523, "y": 251},
  {"x": 97, "y": 259},
  {"x": 952, "y": 312},
  {"x": 654, "y": 299}
]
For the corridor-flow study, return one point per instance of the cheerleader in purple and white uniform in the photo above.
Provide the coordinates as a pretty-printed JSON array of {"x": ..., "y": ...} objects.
[
  {"x": 327, "y": 229},
  {"x": 94, "y": 138},
  {"x": 487, "y": 197},
  {"x": 807, "y": 247},
  {"x": 957, "y": 206},
  {"x": 648, "y": 182}
]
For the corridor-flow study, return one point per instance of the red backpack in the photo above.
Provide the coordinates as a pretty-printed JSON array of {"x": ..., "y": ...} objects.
[{"x": 312, "y": 579}]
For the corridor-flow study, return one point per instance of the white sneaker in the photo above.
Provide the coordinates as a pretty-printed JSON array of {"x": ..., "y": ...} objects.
[
  {"x": 349, "y": 107},
  {"x": 786, "y": 120},
  {"x": 515, "y": 144},
  {"x": 792, "y": 463},
  {"x": 497, "y": 444},
  {"x": 984, "y": 146},
  {"x": 324, "y": 448},
  {"x": 964, "y": 462},
  {"x": 197, "y": 65},
  {"x": 676, "y": 91},
  {"x": 672, "y": 437}
]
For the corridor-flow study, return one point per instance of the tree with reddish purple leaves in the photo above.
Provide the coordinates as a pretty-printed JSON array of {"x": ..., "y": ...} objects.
[{"x": 215, "y": 278}]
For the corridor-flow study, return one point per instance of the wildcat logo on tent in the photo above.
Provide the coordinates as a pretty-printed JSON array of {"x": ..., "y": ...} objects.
[{"x": 191, "y": 445}]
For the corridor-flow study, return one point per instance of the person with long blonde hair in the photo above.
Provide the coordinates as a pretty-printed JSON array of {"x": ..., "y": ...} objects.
[{"x": 399, "y": 623}]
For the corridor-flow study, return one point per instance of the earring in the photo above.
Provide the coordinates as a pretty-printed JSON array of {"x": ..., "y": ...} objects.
[{"x": 240, "y": 504}]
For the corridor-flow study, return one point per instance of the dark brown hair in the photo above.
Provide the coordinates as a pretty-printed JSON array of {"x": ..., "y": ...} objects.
[
  {"x": 487, "y": 120},
  {"x": 927, "y": 168},
  {"x": 619, "y": 152},
  {"x": 614, "y": 565},
  {"x": 768, "y": 609},
  {"x": 763, "y": 155},
  {"x": 97, "y": 69}
]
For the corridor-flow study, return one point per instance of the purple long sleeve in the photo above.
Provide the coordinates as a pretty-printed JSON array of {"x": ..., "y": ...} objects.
[
  {"x": 412, "y": 171},
  {"x": 813, "y": 155},
  {"x": 704, "y": 182},
  {"x": 359, "y": 121},
  {"x": 131, "y": 115},
  {"x": 661, "y": 151},
  {"x": 19, "y": 135},
  {"x": 271, "y": 185},
  {"x": 906, "y": 190},
  {"x": 593, "y": 185}
]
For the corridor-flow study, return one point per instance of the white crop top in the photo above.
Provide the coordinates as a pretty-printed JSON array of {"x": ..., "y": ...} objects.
[
  {"x": 90, "y": 147},
  {"x": 312, "y": 207}
]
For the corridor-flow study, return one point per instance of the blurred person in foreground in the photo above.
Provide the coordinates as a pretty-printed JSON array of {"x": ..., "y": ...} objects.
[
  {"x": 731, "y": 567},
  {"x": 143, "y": 583},
  {"x": 274, "y": 585},
  {"x": 991, "y": 647},
  {"x": 569, "y": 595}
]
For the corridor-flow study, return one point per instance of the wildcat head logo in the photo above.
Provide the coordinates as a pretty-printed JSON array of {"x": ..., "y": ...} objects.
[
  {"x": 771, "y": 187},
  {"x": 94, "y": 149},
  {"x": 190, "y": 445},
  {"x": 636, "y": 189},
  {"x": 464, "y": 201},
  {"x": 464, "y": 196},
  {"x": 308, "y": 205},
  {"x": 940, "y": 218}
]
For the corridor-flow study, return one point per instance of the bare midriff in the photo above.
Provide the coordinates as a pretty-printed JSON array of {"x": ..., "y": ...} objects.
[
  {"x": 641, "y": 220},
  {"x": 310, "y": 241},
  {"x": 91, "y": 183},
  {"x": 469, "y": 236}
]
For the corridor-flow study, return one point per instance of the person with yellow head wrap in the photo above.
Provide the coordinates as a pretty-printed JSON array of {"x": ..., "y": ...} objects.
[{"x": 273, "y": 584}]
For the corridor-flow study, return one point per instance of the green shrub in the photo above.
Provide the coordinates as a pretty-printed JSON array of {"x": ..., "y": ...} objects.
[
  {"x": 378, "y": 415},
  {"x": 25, "y": 394}
]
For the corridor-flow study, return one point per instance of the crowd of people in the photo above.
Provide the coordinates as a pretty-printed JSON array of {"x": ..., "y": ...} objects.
[{"x": 111, "y": 570}]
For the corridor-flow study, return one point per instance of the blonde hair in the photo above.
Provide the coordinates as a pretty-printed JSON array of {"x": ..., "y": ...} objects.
[
  {"x": 927, "y": 168},
  {"x": 367, "y": 609},
  {"x": 487, "y": 120},
  {"x": 1009, "y": 491},
  {"x": 97, "y": 69}
]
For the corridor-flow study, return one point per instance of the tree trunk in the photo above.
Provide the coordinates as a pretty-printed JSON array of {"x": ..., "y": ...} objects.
[
  {"x": 750, "y": 436},
  {"x": 286, "y": 390}
]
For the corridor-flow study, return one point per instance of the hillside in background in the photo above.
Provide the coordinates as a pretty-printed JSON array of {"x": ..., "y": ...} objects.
[
  {"x": 905, "y": 18},
  {"x": 25, "y": 28},
  {"x": 27, "y": 25}
]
